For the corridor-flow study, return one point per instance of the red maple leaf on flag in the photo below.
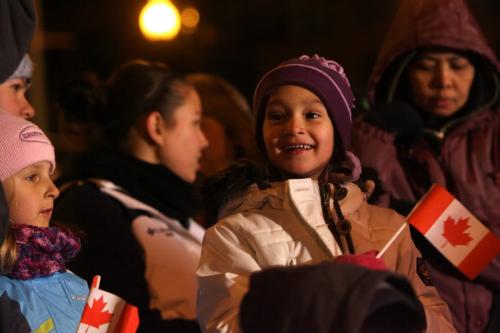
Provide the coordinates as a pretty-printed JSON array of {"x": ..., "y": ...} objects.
[
  {"x": 94, "y": 315},
  {"x": 454, "y": 232}
]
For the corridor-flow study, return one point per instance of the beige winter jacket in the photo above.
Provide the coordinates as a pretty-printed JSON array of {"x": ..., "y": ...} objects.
[{"x": 284, "y": 226}]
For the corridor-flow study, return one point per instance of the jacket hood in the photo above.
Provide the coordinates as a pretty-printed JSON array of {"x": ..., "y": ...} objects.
[
  {"x": 280, "y": 194},
  {"x": 422, "y": 24}
]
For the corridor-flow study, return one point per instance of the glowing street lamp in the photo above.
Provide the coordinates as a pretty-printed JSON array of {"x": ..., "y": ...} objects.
[
  {"x": 159, "y": 20},
  {"x": 190, "y": 17}
]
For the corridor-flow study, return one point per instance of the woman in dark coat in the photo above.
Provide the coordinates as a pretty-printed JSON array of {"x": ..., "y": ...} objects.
[{"x": 435, "y": 119}]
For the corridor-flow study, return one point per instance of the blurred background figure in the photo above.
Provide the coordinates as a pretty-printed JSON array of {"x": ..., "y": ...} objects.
[
  {"x": 76, "y": 133},
  {"x": 133, "y": 195},
  {"x": 330, "y": 298},
  {"x": 227, "y": 123},
  {"x": 228, "y": 126},
  {"x": 435, "y": 119},
  {"x": 17, "y": 25}
]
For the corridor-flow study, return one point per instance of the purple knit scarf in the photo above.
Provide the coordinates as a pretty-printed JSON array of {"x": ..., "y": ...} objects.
[{"x": 43, "y": 251}]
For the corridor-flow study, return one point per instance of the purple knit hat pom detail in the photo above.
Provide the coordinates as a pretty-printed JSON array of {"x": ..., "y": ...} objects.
[{"x": 330, "y": 64}]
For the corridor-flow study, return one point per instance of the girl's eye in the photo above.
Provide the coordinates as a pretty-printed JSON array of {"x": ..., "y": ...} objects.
[
  {"x": 275, "y": 116},
  {"x": 312, "y": 115},
  {"x": 17, "y": 87},
  {"x": 425, "y": 65},
  {"x": 32, "y": 178},
  {"x": 459, "y": 65}
]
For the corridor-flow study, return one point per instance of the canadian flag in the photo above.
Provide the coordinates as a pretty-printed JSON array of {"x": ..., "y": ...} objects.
[
  {"x": 107, "y": 313},
  {"x": 454, "y": 231}
]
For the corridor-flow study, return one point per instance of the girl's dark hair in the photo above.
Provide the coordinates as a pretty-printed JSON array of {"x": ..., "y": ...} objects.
[
  {"x": 216, "y": 191},
  {"x": 234, "y": 181}
]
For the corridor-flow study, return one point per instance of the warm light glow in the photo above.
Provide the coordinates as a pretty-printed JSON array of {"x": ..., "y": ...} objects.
[
  {"x": 190, "y": 17},
  {"x": 159, "y": 20}
]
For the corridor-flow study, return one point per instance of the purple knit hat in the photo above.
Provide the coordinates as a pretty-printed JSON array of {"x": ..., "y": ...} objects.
[
  {"x": 325, "y": 78},
  {"x": 22, "y": 143}
]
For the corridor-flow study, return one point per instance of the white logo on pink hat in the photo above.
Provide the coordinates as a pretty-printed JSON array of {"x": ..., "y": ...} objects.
[{"x": 32, "y": 133}]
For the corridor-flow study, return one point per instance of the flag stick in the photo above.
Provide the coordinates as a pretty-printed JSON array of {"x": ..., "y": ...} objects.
[
  {"x": 381, "y": 253},
  {"x": 96, "y": 281}
]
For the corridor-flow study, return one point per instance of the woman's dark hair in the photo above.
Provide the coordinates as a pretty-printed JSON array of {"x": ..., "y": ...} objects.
[{"x": 134, "y": 90}]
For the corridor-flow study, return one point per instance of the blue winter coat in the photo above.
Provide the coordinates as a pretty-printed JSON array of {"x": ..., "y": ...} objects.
[{"x": 46, "y": 304}]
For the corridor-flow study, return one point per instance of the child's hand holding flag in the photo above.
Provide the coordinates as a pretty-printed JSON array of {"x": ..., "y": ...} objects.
[
  {"x": 107, "y": 313},
  {"x": 454, "y": 231}
]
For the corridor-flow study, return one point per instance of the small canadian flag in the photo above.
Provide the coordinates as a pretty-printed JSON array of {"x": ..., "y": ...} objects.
[
  {"x": 454, "y": 231},
  {"x": 107, "y": 313}
]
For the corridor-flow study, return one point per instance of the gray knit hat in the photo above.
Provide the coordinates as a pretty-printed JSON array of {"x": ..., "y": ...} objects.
[{"x": 17, "y": 25}]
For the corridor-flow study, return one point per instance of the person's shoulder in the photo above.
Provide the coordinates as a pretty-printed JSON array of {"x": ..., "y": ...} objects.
[
  {"x": 6, "y": 282},
  {"x": 74, "y": 280},
  {"x": 477, "y": 122},
  {"x": 82, "y": 188},
  {"x": 84, "y": 194},
  {"x": 363, "y": 129},
  {"x": 14, "y": 288},
  {"x": 249, "y": 216},
  {"x": 384, "y": 217},
  {"x": 252, "y": 199}
]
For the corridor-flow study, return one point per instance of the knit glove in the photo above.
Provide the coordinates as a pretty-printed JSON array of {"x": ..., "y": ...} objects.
[
  {"x": 367, "y": 259},
  {"x": 398, "y": 118}
]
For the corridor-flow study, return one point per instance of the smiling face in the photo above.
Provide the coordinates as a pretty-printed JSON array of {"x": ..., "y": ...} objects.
[
  {"x": 183, "y": 141},
  {"x": 13, "y": 98},
  {"x": 441, "y": 82},
  {"x": 297, "y": 132},
  {"x": 30, "y": 194}
]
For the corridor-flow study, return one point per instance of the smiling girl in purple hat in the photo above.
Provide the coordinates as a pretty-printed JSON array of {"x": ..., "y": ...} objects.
[{"x": 305, "y": 208}]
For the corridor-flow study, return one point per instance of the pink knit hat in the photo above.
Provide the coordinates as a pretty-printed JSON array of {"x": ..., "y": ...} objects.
[{"x": 22, "y": 143}]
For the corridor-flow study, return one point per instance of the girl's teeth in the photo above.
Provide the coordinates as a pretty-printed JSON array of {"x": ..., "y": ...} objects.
[{"x": 296, "y": 147}]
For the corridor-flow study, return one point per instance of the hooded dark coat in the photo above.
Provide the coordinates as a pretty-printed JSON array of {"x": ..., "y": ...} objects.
[{"x": 462, "y": 153}]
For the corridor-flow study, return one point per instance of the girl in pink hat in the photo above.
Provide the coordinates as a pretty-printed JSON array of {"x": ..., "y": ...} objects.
[{"x": 37, "y": 290}]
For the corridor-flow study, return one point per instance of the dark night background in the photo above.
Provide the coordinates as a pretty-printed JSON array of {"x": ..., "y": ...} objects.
[{"x": 238, "y": 40}]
